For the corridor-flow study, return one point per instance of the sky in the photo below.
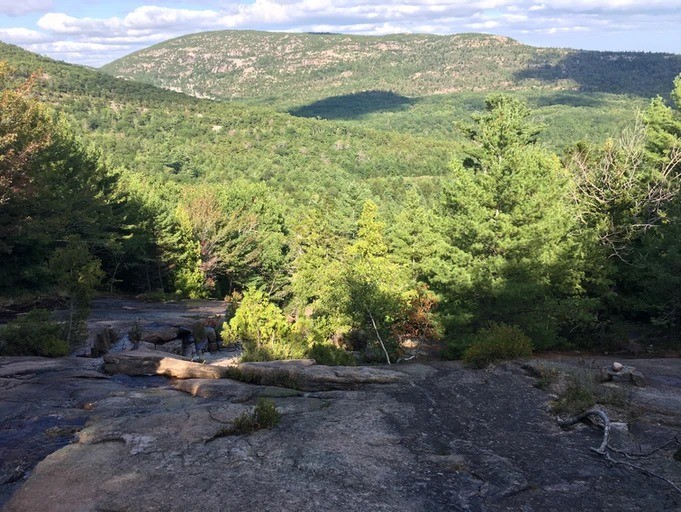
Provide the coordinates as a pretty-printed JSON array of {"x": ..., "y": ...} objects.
[{"x": 94, "y": 32}]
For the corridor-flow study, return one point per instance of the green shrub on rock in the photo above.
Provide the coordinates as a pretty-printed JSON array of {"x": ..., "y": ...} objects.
[
  {"x": 497, "y": 342},
  {"x": 263, "y": 330},
  {"x": 33, "y": 334},
  {"x": 265, "y": 415},
  {"x": 330, "y": 355}
]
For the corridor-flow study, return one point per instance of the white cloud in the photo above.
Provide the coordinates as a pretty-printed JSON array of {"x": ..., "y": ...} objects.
[
  {"x": 19, "y": 7},
  {"x": 98, "y": 40},
  {"x": 20, "y": 35}
]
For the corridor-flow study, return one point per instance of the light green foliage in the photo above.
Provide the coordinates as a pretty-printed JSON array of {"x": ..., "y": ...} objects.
[
  {"x": 77, "y": 273},
  {"x": 76, "y": 270},
  {"x": 213, "y": 198},
  {"x": 330, "y": 355},
  {"x": 497, "y": 342},
  {"x": 376, "y": 286},
  {"x": 33, "y": 334},
  {"x": 184, "y": 257},
  {"x": 509, "y": 223},
  {"x": 263, "y": 330},
  {"x": 317, "y": 280}
]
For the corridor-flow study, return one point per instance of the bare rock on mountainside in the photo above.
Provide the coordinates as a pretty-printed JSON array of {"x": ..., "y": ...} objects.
[
  {"x": 440, "y": 438},
  {"x": 300, "y": 68}
]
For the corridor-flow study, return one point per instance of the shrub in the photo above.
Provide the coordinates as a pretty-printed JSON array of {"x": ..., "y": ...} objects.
[
  {"x": 577, "y": 397},
  {"x": 418, "y": 318},
  {"x": 135, "y": 333},
  {"x": 264, "y": 415},
  {"x": 498, "y": 342},
  {"x": 33, "y": 334},
  {"x": 583, "y": 391},
  {"x": 262, "y": 329},
  {"x": 328, "y": 354}
]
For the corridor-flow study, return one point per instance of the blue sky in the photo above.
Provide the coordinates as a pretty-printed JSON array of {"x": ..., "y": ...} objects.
[{"x": 94, "y": 32}]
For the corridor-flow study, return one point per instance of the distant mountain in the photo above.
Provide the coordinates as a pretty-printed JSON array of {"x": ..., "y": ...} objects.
[
  {"x": 179, "y": 138},
  {"x": 294, "y": 69}
]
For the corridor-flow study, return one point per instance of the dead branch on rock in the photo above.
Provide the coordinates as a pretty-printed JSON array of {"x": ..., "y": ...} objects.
[
  {"x": 380, "y": 340},
  {"x": 604, "y": 449},
  {"x": 594, "y": 411}
]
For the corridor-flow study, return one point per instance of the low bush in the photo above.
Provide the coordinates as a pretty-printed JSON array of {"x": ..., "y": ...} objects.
[
  {"x": 33, "y": 334},
  {"x": 262, "y": 329},
  {"x": 497, "y": 342},
  {"x": 266, "y": 334},
  {"x": 328, "y": 354},
  {"x": 583, "y": 392},
  {"x": 264, "y": 415}
]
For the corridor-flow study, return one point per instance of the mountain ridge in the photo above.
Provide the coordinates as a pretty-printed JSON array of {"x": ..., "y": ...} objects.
[{"x": 291, "y": 69}]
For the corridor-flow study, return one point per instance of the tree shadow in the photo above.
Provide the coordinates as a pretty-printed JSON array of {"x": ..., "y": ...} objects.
[
  {"x": 354, "y": 106},
  {"x": 635, "y": 73},
  {"x": 568, "y": 99}
]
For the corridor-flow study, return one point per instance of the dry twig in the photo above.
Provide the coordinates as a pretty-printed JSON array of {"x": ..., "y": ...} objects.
[{"x": 604, "y": 449}]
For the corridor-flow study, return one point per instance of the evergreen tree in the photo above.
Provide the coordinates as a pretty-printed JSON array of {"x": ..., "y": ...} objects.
[
  {"x": 510, "y": 227},
  {"x": 52, "y": 189}
]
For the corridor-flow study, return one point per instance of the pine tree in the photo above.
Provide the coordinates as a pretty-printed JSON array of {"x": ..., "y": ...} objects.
[{"x": 510, "y": 228}]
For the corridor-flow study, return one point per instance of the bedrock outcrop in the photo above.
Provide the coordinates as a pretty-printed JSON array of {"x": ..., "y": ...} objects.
[{"x": 436, "y": 437}]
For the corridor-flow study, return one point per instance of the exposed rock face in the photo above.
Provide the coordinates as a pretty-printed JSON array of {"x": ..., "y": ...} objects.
[
  {"x": 307, "y": 376},
  {"x": 150, "y": 362},
  {"x": 440, "y": 438},
  {"x": 160, "y": 325},
  {"x": 160, "y": 334},
  {"x": 302, "y": 374}
]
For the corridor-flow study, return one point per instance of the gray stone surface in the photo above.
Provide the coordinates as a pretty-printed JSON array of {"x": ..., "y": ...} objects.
[
  {"x": 154, "y": 362},
  {"x": 440, "y": 438},
  {"x": 305, "y": 375}
]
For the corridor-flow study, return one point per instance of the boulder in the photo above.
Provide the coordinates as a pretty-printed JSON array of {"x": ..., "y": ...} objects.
[
  {"x": 189, "y": 350},
  {"x": 231, "y": 390},
  {"x": 161, "y": 334},
  {"x": 623, "y": 373},
  {"x": 173, "y": 347},
  {"x": 147, "y": 362},
  {"x": 145, "y": 345},
  {"x": 305, "y": 375},
  {"x": 210, "y": 335}
]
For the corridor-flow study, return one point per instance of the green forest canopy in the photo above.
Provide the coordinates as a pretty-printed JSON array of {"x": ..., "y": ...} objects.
[{"x": 356, "y": 234}]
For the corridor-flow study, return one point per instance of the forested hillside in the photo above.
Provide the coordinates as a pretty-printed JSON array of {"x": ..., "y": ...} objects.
[
  {"x": 296, "y": 69},
  {"x": 329, "y": 235}
]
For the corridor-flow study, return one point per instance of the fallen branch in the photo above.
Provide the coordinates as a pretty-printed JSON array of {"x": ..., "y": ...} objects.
[
  {"x": 594, "y": 411},
  {"x": 380, "y": 340},
  {"x": 604, "y": 449}
]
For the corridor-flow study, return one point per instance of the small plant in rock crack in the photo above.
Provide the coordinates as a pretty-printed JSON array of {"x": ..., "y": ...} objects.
[
  {"x": 265, "y": 415},
  {"x": 546, "y": 377},
  {"x": 135, "y": 333},
  {"x": 583, "y": 391}
]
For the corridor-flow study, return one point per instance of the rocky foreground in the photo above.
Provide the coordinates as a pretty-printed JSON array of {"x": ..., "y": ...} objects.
[{"x": 413, "y": 437}]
